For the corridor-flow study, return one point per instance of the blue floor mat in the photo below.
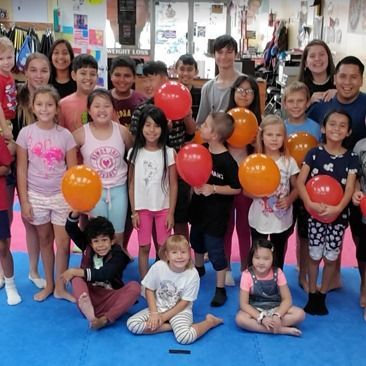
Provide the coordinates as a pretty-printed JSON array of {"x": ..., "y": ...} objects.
[{"x": 54, "y": 332}]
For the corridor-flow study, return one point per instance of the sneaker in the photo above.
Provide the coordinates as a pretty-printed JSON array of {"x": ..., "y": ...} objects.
[{"x": 229, "y": 280}]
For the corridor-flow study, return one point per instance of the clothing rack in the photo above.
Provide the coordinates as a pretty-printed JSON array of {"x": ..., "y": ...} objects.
[{"x": 38, "y": 27}]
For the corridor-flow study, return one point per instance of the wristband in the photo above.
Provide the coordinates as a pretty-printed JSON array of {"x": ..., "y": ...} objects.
[{"x": 260, "y": 318}]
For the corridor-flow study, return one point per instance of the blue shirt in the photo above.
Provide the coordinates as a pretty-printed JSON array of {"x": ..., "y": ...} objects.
[
  {"x": 309, "y": 126},
  {"x": 356, "y": 109}
]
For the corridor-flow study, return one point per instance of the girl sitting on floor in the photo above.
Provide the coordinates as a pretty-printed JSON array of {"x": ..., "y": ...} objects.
[
  {"x": 265, "y": 299},
  {"x": 172, "y": 285}
]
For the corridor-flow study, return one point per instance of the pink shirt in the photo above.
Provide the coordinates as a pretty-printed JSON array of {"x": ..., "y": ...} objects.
[
  {"x": 246, "y": 282},
  {"x": 73, "y": 111},
  {"x": 46, "y": 156},
  {"x": 106, "y": 156}
]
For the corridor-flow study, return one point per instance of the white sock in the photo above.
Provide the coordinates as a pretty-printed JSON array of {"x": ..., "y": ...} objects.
[{"x": 11, "y": 291}]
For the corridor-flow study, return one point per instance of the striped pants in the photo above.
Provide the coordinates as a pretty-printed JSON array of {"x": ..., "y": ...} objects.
[{"x": 181, "y": 325}]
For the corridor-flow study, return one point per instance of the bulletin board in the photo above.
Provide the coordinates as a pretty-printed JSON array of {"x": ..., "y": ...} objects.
[{"x": 83, "y": 24}]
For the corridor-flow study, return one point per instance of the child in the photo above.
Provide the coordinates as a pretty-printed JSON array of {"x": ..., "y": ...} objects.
[
  {"x": 172, "y": 285},
  {"x": 102, "y": 145},
  {"x": 187, "y": 69},
  {"x": 325, "y": 240},
  {"x": 358, "y": 195},
  {"x": 272, "y": 216},
  {"x": 211, "y": 203},
  {"x": 61, "y": 56},
  {"x": 123, "y": 73},
  {"x": 317, "y": 71},
  {"x": 8, "y": 91},
  {"x": 37, "y": 73},
  {"x": 244, "y": 94},
  {"x": 265, "y": 299},
  {"x": 73, "y": 108},
  {"x": 152, "y": 182},
  {"x": 97, "y": 286},
  {"x": 180, "y": 131},
  {"x": 6, "y": 259},
  {"x": 44, "y": 152},
  {"x": 296, "y": 98},
  {"x": 215, "y": 93}
]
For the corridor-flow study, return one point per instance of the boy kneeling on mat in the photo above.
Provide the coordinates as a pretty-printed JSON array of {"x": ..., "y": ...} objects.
[{"x": 100, "y": 293}]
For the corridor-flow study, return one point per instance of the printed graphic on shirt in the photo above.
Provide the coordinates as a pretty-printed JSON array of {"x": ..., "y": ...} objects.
[
  {"x": 168, "y": 293},
  {"x": 11, "y": 97},
  {"x": 50, "y": 155},
  {"x": 105, "y": 160}
]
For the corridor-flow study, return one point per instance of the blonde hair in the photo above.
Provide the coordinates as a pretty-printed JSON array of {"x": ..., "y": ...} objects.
[
  {"x": 6, "y": 44},
  {"x": 296, "y": 86},
  {"x": 175, "y": 242},
  {"x": 270, "y": 120}
]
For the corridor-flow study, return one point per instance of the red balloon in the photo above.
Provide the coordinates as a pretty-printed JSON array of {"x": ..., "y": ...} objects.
[
  {"x": 174, "y": 99},
  {"x": 194, "y": 164},
  {"x": 245, "y": 129},
  {"x": 363, "y": 206},
  {"x": 324, "y": 189}
]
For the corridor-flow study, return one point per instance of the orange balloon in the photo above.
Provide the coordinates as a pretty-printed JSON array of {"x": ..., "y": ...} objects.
[
  {"x": 299, "y": 144},
  {"x": 245, "y": 129},
  {"x": 81, "y": 187},
  {"x": 259, "y": 175},
  {"x": 197, "y": 139}
]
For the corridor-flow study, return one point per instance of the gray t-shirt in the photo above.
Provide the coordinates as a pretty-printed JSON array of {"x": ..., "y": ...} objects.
[{"x": 213, "y": 99}]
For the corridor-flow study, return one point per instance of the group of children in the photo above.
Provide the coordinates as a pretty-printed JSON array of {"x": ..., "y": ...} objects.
[{"x": 141, "y": 189}]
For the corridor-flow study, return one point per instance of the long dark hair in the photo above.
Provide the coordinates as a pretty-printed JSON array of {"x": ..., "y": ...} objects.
[
  {"x": 159, "y": 118},
  {"x": 71, "y": 53},
  {"x": 305, "y": 74},
  {"x": 255, "y": 106}
]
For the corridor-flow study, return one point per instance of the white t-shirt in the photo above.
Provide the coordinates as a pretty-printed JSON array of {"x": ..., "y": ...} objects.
[
  {"x": 170, "y": 287},
  {"x": 149, "y": 166},
  {"x": 263, "y": 215}
]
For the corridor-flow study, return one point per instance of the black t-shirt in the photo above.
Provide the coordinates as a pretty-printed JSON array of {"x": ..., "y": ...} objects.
[
  {"x": 196, "y": 99},
  {"x": 64, "y": 89},
  {"x": 211, "y": 213},
  {"x": 313, "y": 88}
]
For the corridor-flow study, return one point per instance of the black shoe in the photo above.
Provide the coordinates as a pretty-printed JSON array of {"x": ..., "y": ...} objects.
[
  {"x": 312, "y": 305},
  {"x": 220, "y": 297},
  {"x": 201, "y": 270},
  {"x": 322, "y": 308}
]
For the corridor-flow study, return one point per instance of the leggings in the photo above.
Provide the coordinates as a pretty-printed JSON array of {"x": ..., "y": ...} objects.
[
  {"x": 181, "y": 325},
  {"x": 239, "y": 220},
  {"x": 279, "y": 240}
]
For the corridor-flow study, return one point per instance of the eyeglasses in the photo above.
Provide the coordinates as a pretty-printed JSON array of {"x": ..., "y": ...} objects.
[{"x": 244, "y": 91}]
